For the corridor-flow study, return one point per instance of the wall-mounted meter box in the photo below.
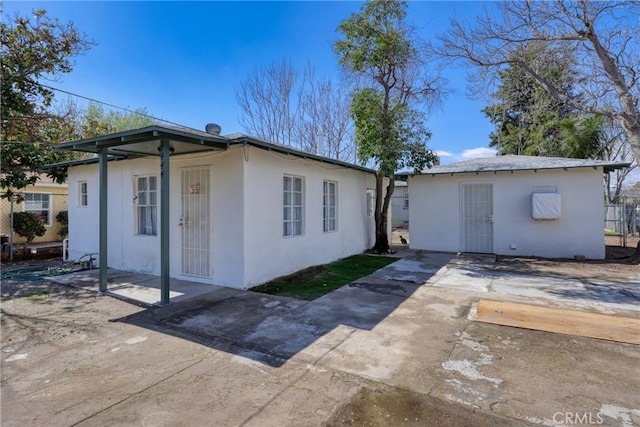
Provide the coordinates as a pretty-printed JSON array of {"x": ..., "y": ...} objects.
[{"x": 545, "y": 205}]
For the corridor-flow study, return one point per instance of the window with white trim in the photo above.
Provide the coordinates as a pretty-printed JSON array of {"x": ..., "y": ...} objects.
[
  {"x": 82, "y": 194},
  {"x": 292, "y": 206},
  {"x": 329, "y": 206},
  {"x": 39, "y": 204},
  {"x": 371, "y": 201},
  {"x": 147, "y": 205}
]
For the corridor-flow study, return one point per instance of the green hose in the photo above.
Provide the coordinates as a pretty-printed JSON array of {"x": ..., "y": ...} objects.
[{"x": 36, "y": 272}]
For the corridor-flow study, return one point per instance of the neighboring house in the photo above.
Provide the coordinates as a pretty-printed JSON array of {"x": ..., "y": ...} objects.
[
  {"x": 45, "y": 199},
  {"x": 511, "y": 205},
  {"x": 241, "y": 211},
  {"x": 400, "y": 204}
]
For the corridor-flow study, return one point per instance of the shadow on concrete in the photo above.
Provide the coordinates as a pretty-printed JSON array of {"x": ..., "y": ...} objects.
[
  {"x": 272, "y": 329},
  {"x": 554, "y": 279},
  {"x": 617, "y": 293}
]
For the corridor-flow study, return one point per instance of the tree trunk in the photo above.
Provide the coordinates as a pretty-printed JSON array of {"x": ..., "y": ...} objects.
[
  {"x": 632, "y": 132},
  {"x": 381, "y": 245}
]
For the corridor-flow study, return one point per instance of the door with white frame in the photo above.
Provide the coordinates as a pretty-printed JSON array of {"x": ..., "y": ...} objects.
[
  {"x": 195, "y": 222},
  {"x": 477, "y": 217}
]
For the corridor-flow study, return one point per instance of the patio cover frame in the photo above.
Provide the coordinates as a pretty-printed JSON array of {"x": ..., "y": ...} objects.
[{"x": 154, "y": 141}]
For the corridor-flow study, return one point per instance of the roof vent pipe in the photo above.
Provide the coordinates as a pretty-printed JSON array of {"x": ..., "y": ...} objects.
[{"x": 213, "y": 129}]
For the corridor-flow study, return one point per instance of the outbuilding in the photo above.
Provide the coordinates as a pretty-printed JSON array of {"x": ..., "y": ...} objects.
[
  {"x": 227, "y": 210},
  {"x": 511, "y": 205}
]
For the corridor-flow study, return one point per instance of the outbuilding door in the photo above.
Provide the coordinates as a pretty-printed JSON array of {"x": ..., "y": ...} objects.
[
  {"x": 477, "y": 217},
  {"x": 195, "y": 222}
]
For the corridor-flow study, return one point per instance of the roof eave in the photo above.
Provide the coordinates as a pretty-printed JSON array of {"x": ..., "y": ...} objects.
[
  {"x": 302, "y": 154},
  {"x": 607, "y": 167},
  {"x": 91, "y": 145}
]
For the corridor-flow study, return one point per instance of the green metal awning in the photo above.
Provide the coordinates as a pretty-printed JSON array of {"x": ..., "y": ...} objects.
[
  {"x": 150, "y": 141},
  {"x": 146, "y": 142}
]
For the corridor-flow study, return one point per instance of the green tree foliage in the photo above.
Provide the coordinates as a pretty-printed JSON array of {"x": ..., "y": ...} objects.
[
  {"x": 405, "y": 138},
  {"x": 28, "y": 225},
  {"x": 96, "y": 121},
  {"x": 529, "y": 120},
  {"x": 32, "y": 50},
  {"x": 379, "y": 49},
  {"x": 526, "y": 117},
  {"x": 581, "y": 137},
  {"x": 63, "y": 218}
]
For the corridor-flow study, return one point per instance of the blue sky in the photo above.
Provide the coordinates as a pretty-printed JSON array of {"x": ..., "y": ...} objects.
[{"x": 182, "y": 60}]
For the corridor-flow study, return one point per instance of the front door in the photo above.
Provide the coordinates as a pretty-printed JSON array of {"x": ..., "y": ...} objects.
[
  {"x": 477, "y": 217},
  {"x": 195, "y": 221}
]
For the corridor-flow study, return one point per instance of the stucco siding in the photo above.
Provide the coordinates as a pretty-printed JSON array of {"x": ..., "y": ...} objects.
[
  {"x": 436, "y": 221},
  {"x": 246, "y": 233},
  {"x": 268, "y": 253},
  {"x": 141, "y": 253},
  {"x": 227, "y": 216},
  {"x": 84, "y": 223}
]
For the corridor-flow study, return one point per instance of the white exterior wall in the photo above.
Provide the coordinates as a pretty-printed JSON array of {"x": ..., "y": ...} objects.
[
  {"x": 227, "y": 216},
  {"x": 141, "y": 253},
  {"x": 436, "y": 224},
  {"x": 246, "y": 202},
  {"x": 268, "y": 254},
  {"x": 84, "y": 221}
]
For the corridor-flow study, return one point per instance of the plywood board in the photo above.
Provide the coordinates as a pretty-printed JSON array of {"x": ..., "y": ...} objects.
[{"x": 570, "y": 322}]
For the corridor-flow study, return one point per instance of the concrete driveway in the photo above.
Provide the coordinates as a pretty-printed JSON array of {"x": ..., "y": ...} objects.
[{"x": 401, "y": 335}]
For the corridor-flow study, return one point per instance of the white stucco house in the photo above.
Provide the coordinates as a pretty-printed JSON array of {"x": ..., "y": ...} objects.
[
  {"x": 238, "y": 211},
  {"x": 400, "y": 204},
  {"x": 511, "y": 205}
]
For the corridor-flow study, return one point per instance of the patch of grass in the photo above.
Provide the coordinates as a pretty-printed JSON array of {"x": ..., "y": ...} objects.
[
  {"x": 36, "y": 295},
  {"x": 314, "y": 282}
]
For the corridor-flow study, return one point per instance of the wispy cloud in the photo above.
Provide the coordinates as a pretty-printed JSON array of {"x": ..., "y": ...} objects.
[
  {"x": 474, "y": 153},
  {"x": 443, "y": 153}
]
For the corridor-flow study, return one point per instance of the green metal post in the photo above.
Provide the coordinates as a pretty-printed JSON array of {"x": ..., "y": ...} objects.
[
  {"x": 103, "y": 218},
  {"x": 164, "y": 222}
]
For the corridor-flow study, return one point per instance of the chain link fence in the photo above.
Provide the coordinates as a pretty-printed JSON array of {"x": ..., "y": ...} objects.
[
  {"x": 622, "y": 220},
  {"x": 47, "y": 206}
]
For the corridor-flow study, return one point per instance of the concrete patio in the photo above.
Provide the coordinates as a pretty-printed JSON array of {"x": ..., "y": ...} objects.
[
  {"x": 242, "y": 358},
  {"x": 135, "y": 287}
]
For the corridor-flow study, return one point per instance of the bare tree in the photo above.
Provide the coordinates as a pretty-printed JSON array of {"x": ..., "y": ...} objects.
[
  {"x": 603, "y": 36},
  {"x": 310, "y": 113},
  {"x": 615, "y": 147},
  {"x": 265, "y": 101},
  {"x": 324, "y": 124}
]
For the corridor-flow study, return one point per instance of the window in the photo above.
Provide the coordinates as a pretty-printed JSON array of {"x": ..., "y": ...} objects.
[
  {"x": 82, "y": 193},
  {"x": 329, "y": 206},
  {"x": 371, "y": 201},
  {"x": 39, "y": 204},
  {"x": 147, "y": 205},
  {"x": 292, "y": 206},
  {"x": 405, "y": 201}
]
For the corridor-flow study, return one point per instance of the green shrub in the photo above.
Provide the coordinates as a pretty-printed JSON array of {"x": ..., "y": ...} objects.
[
  {"x": 28, "y": 225},
  {"x": 63, "y": 219}
]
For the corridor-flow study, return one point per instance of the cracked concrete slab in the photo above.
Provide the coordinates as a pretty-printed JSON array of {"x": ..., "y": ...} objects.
[{"x": 233, "y": 357}]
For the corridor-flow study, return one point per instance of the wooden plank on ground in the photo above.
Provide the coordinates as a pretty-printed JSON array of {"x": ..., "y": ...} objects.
[{"x": 570, "y": 322}]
